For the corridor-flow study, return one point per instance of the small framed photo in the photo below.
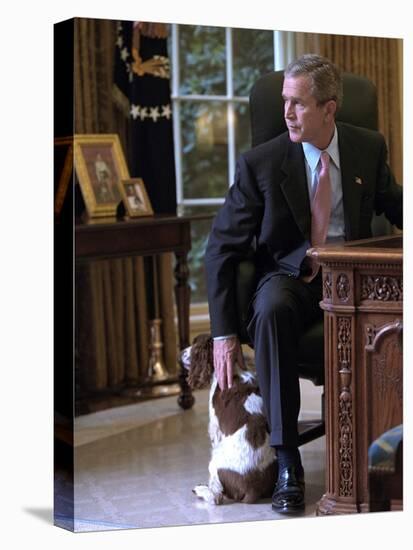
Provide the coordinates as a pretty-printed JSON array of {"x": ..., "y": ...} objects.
[
  {"x": 100, "y": 167},
  {"x": 135, "y": 197}
]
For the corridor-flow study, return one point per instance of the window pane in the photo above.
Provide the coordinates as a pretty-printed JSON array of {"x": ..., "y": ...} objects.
[
  {"x": 204, "y": 149},
  {"x": 202, "y": 60},
  {"x": 242, "y": 128},
  {"x": 199, "y": 234},
  {"x": 253, "y": 53}
]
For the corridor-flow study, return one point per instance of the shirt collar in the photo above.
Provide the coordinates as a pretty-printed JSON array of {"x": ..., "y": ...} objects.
[{"x": 312, "y": 154}]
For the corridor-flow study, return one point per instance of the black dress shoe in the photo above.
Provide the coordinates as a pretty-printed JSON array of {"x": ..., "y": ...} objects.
[{"x": 288, "y": 496}]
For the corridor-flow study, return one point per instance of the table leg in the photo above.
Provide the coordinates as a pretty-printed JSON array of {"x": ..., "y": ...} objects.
[{"x": 182, "y": 296}]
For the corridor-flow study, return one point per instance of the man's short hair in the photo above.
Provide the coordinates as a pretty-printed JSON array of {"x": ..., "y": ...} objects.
[{"x": 326, "y": 81}]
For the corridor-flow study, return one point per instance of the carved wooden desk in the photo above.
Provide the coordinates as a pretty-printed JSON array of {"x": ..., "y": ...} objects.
[{"x": 363, "y": 321}]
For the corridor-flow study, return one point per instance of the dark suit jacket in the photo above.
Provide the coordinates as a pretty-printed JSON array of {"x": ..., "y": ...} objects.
[{"x": 268, "y": 207}]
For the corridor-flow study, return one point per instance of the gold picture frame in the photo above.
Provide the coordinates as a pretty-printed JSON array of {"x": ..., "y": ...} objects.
[
  {"x": 135, "y": 198},
  {"x": 100, "y": 166},
  {"x": 63, "y": 169}
]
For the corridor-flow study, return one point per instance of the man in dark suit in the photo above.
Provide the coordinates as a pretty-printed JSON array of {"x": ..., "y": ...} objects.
[{"x": 321, "y": 180}]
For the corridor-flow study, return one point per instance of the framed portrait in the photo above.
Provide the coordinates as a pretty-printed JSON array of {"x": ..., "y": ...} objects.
[
  {"x": 100, "y": 166},
  {"x": 135, "y": 197},
  {"x": 63, "y": 170}
]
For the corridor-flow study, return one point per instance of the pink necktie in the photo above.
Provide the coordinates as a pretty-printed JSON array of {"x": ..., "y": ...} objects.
[{"x": 320, "y": 211}]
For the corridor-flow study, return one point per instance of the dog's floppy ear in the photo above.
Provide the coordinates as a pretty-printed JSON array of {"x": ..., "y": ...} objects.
[{"x": 202, "y": 362}]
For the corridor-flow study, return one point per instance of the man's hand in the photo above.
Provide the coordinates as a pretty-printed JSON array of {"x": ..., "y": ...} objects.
[{"x": 227, "y": 352}]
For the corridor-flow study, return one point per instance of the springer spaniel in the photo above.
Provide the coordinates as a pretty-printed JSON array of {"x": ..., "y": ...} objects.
[{"x": 243, "y": 466}]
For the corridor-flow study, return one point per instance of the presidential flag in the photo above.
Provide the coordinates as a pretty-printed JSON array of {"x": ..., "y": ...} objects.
[{"x": 142, "y": 90}]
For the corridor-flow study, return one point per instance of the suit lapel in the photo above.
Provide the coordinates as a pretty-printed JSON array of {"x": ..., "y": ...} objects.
[
  {"x": 295, "y": 188},
  {"x": 350, "y": 176}
]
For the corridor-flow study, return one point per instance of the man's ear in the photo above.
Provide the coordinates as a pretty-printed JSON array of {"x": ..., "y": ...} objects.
[{"x": 330, "y": 109}]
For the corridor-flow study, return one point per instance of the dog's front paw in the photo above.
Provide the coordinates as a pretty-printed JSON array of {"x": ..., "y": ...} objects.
[
  {"x": 201, "y": 491},
  {"x": 219, "y": 498},
  {"x": 204, "y": 492}
]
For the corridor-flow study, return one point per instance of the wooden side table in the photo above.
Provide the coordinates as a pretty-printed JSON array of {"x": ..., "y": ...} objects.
[
  {"x": 363, "y": 320},
  {"x": 146, "y": 237}
]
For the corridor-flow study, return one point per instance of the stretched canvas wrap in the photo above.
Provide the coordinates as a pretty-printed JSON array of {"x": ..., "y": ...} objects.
[{"x": 131, "y": 439}]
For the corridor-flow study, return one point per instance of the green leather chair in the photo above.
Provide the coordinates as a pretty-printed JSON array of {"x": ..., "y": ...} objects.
[
  {"x": 385, "y": 465},
  {"x": 267, "y": 121}
]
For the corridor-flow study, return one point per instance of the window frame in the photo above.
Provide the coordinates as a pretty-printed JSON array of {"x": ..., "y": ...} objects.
[{"x": 284, "y": 51}]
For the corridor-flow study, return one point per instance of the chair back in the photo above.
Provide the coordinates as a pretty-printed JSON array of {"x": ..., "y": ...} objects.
[{"x": 267, "y": 106}]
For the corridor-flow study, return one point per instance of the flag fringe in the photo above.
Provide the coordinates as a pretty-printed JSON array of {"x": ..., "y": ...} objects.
[
  {"x": 120, "y": 100},
  {"x": 153, "y": 30}
]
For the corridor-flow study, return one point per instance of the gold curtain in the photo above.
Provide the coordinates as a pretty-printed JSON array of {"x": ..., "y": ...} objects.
[
  {"x": 379, "y": 59},
  {"x": 111, "y": 296}
]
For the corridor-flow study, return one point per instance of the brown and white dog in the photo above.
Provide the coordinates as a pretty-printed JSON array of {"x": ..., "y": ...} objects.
[{"x": 243, "y": 466}]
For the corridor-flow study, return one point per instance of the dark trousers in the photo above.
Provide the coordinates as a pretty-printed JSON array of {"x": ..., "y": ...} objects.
[{"x": 282, "y": 308}]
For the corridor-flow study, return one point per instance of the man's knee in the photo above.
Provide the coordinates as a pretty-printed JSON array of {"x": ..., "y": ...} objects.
[{"x": 276, "y": 307}]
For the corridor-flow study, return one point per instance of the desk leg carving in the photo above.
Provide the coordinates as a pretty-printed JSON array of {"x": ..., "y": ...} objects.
[
  {"x": 341, "y": 494},
  {"x": 345, "y": 411},
  {"x": 182, "y": 296}
]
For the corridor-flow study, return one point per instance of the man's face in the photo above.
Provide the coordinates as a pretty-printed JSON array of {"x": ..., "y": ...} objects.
[{"x": 306, "y": 121}]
